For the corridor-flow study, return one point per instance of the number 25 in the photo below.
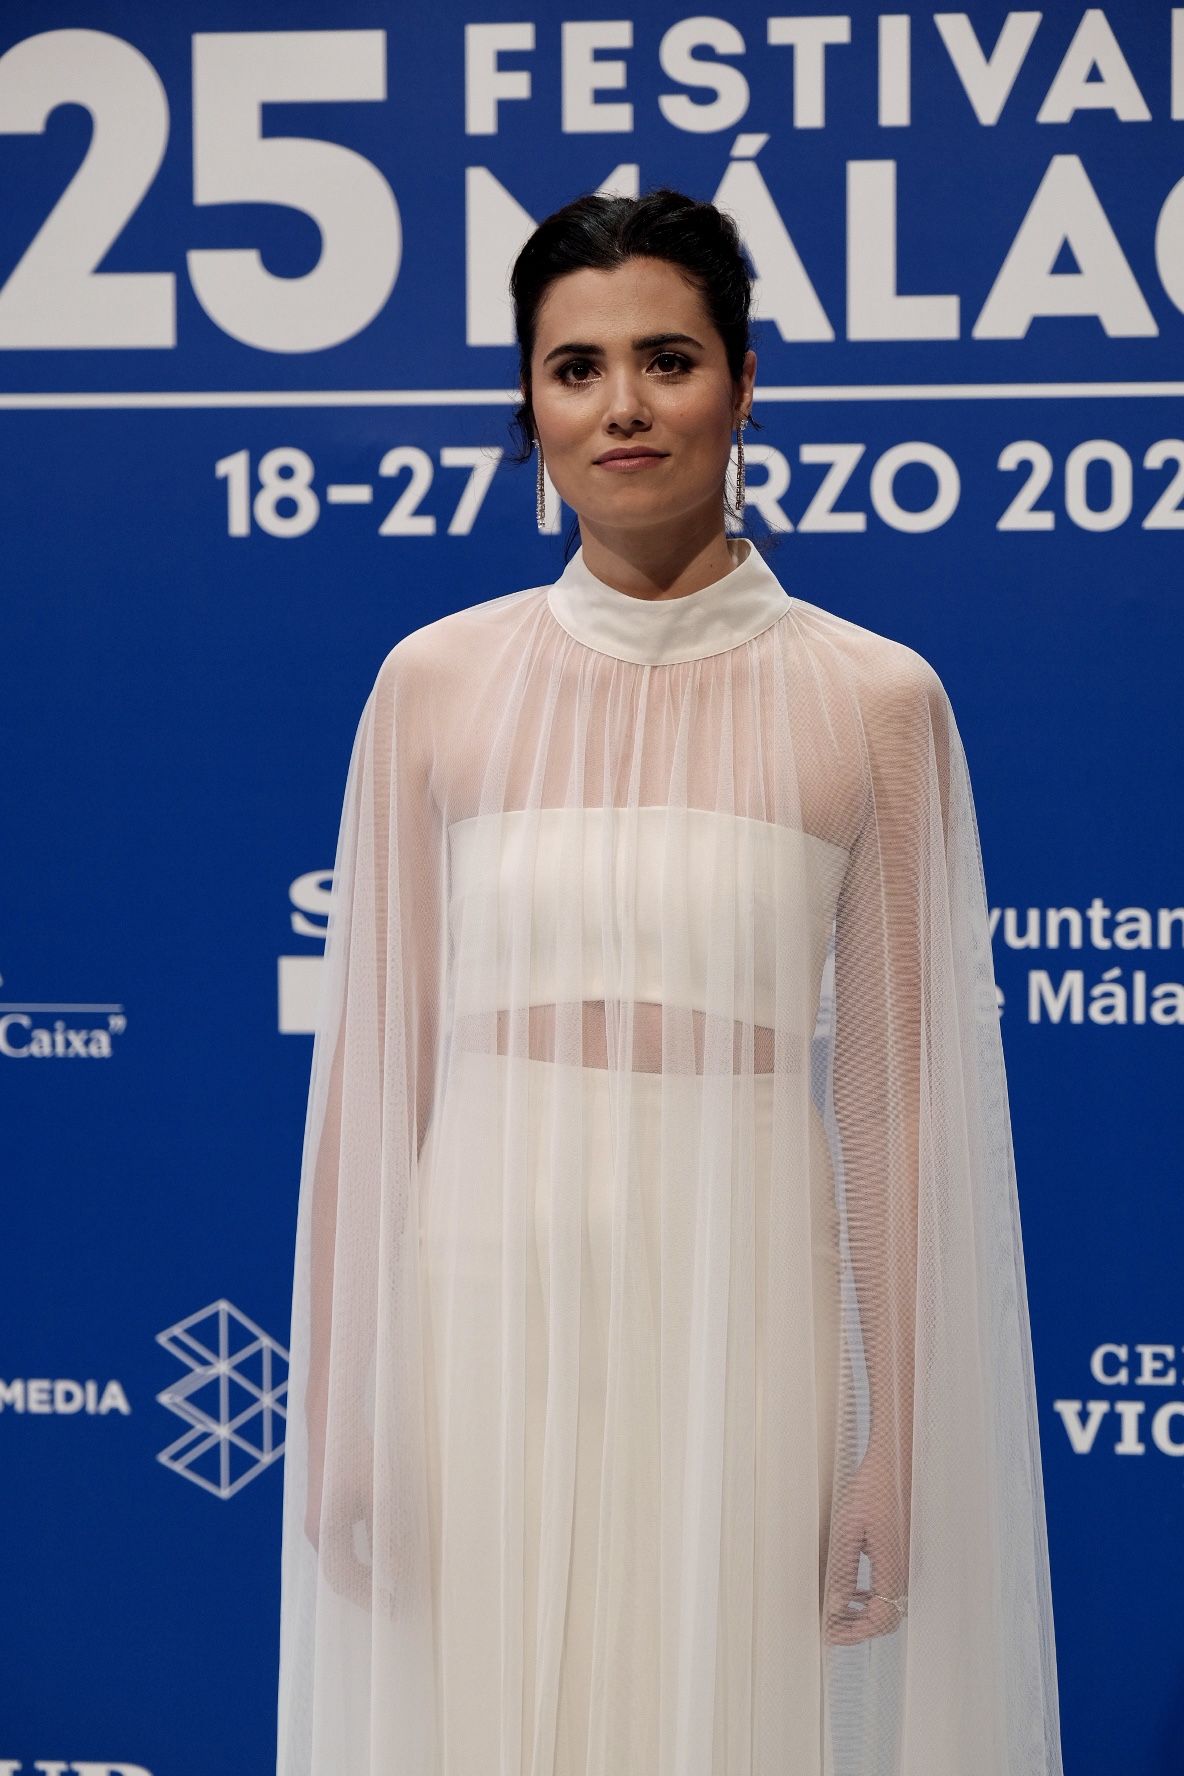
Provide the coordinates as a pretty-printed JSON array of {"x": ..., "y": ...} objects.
[{"x": 55, "y": 298}]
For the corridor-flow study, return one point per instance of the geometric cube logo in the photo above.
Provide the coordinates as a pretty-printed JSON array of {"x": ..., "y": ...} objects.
[{"x": 234, "y": 1398}]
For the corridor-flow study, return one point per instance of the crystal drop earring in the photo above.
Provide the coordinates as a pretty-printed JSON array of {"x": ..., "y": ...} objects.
[
  {"x": 740, "y": 465},
  {"x": 540, "y": 491}
]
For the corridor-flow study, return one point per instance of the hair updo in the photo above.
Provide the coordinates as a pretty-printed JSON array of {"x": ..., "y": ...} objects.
[{"x": 598, "y": 233}]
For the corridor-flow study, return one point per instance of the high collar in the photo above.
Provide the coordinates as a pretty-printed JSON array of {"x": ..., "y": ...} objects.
[{"x": 657, "y": 631}]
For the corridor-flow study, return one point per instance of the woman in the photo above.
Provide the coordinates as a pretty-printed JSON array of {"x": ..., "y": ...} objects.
[{"x": 661, "y": 1396}]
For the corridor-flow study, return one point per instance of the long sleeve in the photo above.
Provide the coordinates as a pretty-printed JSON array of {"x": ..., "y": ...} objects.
[
  {"x": 940, "y": 1471},
  {"x": 354, "y": 1462},
  {"x": 879, "y": 1037}
]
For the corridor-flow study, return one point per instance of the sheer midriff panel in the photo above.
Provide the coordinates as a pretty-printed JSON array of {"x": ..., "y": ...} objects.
[{"x": 602, "y": 1046}]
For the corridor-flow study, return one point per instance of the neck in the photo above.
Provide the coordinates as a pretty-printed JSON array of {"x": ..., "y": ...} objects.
[{"x": 657, "y": 564}]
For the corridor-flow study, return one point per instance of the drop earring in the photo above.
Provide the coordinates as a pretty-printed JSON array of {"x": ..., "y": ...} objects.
[
  {"x": 740, "y": 465},
  {"x": 540, "y": 491}
]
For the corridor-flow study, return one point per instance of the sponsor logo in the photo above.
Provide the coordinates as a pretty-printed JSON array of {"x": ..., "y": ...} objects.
[
  {"x": 80, "y": 1767},
  {"x": 61, "y": 1396},
  {"x": 299, "y": 977},
  {"x": 56, "y": 1031},
  {"x": 1129, "y": 1425},
  {"x": 233, "y": 1398}
]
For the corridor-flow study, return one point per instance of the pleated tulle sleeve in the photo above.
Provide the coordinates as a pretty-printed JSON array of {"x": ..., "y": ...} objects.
[
  {"x": 354, "y": 1566},
  {"x": 938, "y": 1616}
]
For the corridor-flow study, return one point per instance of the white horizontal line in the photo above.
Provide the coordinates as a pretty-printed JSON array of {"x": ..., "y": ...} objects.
[
  {"x": 871, "y": 391},
  {"x": 968, "y": 391},
  {"x": 271, "y": 398},
  {"x": 54, "y": 1005}
]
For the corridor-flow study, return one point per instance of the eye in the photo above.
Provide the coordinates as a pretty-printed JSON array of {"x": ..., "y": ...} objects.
[
  {"x": 679, "y": 361},
  {"x": 572, "y": 364}
]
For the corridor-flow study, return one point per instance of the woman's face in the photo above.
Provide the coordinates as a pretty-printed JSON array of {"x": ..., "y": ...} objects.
[{"x": 630, "y": 357}]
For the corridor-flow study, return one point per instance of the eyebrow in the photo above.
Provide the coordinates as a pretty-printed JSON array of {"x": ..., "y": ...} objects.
[{"x": 646, "y": 343}]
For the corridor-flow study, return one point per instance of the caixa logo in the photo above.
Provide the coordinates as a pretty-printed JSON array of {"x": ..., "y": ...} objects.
[
  {"x": 80, "y": 1767},
  {"x": 58, "y": 1032}
]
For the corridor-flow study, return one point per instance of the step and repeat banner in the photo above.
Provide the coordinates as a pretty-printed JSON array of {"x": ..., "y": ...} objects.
[{"x": 256, "y": 376}]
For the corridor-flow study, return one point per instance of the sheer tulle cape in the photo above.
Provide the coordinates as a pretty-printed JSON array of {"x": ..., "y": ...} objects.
[{"x": 747, "y": 879}]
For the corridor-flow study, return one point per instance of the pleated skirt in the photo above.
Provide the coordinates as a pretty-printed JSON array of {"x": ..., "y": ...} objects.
[{"x": 631, "y": 1352}]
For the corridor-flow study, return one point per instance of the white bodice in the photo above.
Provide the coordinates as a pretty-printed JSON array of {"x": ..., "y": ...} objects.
[{"x": 681, "y": 907}]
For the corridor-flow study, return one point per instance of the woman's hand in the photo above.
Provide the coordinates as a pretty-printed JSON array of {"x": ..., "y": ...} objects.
[
  {"x": 867, "y": 1519},
  {"x": 336, "y": 1540},
  {"x": 334, "y": 1526}
]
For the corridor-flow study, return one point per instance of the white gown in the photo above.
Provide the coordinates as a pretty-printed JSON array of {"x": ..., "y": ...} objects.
[{"x": 661, "y": 1396}]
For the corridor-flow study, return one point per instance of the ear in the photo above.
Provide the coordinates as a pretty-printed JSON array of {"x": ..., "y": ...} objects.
[
  {"x": 748, "y": 379},
  {"x": 743, "y": 387}
]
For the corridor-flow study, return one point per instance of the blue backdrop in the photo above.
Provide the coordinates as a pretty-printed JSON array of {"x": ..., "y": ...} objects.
[{"x": 256, "y": 368}]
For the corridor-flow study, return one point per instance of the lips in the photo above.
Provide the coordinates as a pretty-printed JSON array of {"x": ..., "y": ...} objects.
[{"x": 627, "y": 458}]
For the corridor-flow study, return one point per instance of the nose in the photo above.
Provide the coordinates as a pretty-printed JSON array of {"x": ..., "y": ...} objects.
[{"x": 626, "y": 401}]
